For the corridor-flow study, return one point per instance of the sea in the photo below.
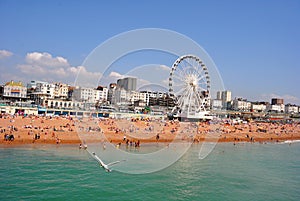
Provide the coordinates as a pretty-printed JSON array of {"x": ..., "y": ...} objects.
[{"x": 245, "y": 171}]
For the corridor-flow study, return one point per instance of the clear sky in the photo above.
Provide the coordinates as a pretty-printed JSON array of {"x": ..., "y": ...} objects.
[{"x": 255, "y": 44}]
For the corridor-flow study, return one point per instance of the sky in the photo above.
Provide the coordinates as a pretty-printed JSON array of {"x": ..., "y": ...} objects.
[{"x": 254, "y": 44}]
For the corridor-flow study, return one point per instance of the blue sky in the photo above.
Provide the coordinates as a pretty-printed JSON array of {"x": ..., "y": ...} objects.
[{"x": 255, "y": 44}]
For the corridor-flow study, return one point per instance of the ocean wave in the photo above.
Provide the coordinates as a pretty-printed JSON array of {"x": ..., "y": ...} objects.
[{"x": 290, "y": 141}]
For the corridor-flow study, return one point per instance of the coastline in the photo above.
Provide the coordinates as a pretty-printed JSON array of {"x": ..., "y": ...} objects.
[
  {"x": 63, "y": 130},
  {"x": 116, "y": 141}
]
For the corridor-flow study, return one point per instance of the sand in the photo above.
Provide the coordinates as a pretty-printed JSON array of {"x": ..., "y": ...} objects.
[{"x": 66, "y": 130}]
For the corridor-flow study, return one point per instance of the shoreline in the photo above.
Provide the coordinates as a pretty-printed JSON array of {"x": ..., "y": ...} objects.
[
  {"x": 150, "y": 143},
  {"x": 18, "y": 142},
  {"x": 65, "y": 130}
]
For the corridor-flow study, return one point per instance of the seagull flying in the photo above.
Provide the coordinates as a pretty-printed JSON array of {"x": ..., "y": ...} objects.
[{"x": 103, "y": 165}]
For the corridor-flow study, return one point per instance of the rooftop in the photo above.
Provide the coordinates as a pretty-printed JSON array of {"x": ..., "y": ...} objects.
[{"x": 15, "y": 84}]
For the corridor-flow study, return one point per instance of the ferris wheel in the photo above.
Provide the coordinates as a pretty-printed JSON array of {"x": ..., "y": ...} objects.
[{"x": 189, "y": 83}]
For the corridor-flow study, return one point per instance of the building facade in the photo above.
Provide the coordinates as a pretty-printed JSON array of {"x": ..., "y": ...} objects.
[
  {"x": 291, "y": 109},
  {"x": 259, "y": 106},
  {"x": 111, "y": 93},
  {"x": 45, "y": 89},
  {"x": 63, "y": 104},
  {"x": 276, "y": 108},
  {"x": 101, "y": 94},
  {"x": 240, "y": 104},
  {"x": 83, "y": 94},
  {"x": 276, "y": 105},
  {"x": 216, "y": 104},
  {"x": 225, "y": 96},
  {"x": 14, "y": 90},
  {"x": 121, "y": 97},
  {"x": 61, "y": 91},
  {"x": 128, "y": 83}
]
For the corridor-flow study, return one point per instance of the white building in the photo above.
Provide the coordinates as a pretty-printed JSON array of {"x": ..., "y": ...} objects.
[
  {"x": 216, "y": 104},
  {"x": 144, "y": 97},
  {"x": 258, "y": 107},
  {"x": 90, "y": 95},
  {"x": 44, "y": 89},
  {"x": 14, "y": 90},
  {"x": 40, "y": 92},
  {"x": 122, "y": 96},
  {"x": 61, "y": 91},
  {"x": 32, "y": 84},
  {"x": 276, "y": 108},
  {"x": 291, "y": 109},
  {"x": 56, "y": 103},
  {"x": 241, "y": 105},
  {"x": 225, "y": 96},
  {"x": 101, "y": 94},
  {"x": 135, "y": 96},
  {"x": 149, "y": 97},
  {"x": 84, "y": 94}
]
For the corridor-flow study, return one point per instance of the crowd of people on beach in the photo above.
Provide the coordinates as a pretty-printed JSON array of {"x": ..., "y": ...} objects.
[
  {"x": 35, "y": 126},
  {"x": 136, "y": 130},
  {"x": 225, "y": 129}
]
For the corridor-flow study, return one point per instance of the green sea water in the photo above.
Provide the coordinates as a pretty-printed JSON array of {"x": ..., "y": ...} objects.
[{"x": 241, "y": 172}]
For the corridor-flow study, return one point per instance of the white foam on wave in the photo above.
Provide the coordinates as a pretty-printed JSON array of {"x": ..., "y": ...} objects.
[{"x": 290, "y": 141}]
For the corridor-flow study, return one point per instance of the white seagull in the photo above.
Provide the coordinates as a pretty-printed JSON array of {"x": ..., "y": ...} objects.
[{"x": 103, "y": 165}]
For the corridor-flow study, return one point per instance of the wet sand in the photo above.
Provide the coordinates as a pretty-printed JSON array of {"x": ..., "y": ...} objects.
[{"x": 66, "y": 130}]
